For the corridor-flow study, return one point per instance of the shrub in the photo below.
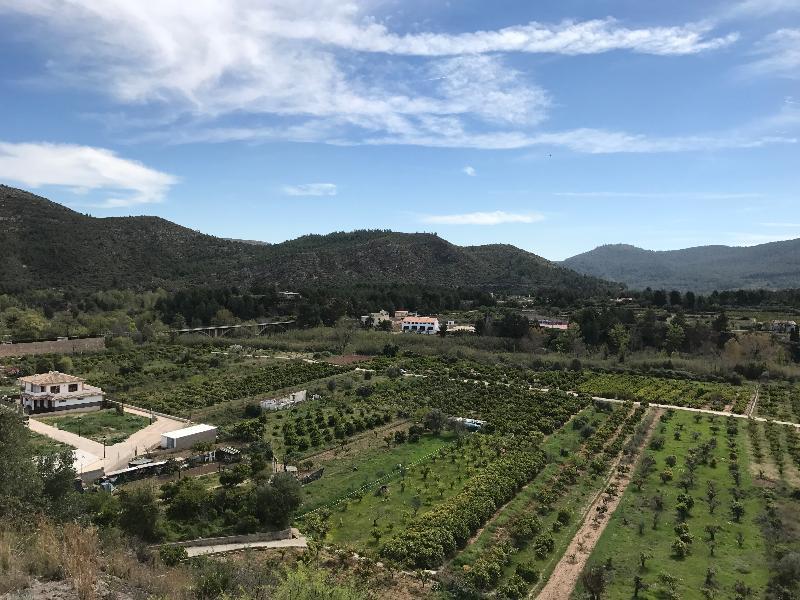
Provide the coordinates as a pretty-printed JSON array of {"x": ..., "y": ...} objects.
[
  {"x": 528, "y": 572},
  {"x": 172, "y": 555}
]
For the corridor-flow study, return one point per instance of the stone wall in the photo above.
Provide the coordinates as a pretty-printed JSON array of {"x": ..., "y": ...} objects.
[
  {"x": 269, "y": 536},
  {"x": 75, "y": 346}
]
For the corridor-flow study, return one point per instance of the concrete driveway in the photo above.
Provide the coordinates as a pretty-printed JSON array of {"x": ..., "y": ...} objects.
[{"x": 116, "y": 456}]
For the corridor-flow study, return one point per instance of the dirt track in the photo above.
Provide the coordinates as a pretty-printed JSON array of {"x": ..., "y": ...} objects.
[{"x": 566, "y": 573}]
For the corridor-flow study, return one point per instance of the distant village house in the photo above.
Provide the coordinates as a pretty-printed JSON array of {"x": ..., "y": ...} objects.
[
  {"x": 427, "y": 325},
  {"x": 376, "y": 319}
]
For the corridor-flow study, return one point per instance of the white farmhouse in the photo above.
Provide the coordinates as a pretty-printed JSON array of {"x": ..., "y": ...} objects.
[
  {"x": 375, "y": 319},
  {"x": 54, "y": 391},
  {"x": 429, "y": 325},
  {"x": 285, "y": 402}
]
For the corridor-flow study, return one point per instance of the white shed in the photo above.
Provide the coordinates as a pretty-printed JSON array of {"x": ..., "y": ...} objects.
[{"x": 180, "y": 439}]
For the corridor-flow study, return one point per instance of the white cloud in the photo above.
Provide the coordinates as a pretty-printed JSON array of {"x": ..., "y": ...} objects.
[
  {"x": 591, "y": 141},
  {"x": 299, "y": 70},
  {"x": 780, "y": 55},
  {"x": 469, "y": 171},
  {"x": 496, "y": 217},
  {"x": 83, "y": 169},
  {"x": 311, "y": 189}
]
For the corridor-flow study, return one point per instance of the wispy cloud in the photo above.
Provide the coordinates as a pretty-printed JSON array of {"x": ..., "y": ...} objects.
[
  {"x": 760, "y": 8},
  {"x": 779, "y": 224},
  {"x": 468, "y": 170},
  {"x": 83, "y": 169},
  {"x": 319, "y": 69},
  {"x": 779, "y": 55},
  {"x": 311, "y": 189},
  {"x": 497, "y": 217}
]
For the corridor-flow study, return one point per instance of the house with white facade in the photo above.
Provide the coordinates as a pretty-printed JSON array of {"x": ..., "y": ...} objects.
[
  {"x": 54, "y": 391},
  {"x": 285, "y": 402},
  {"x": 429, "y": 325},
  {"x": 375, "y": 319}
]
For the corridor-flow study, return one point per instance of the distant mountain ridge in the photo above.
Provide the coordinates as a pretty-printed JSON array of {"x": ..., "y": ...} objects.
[
  {"x": 771, "y": 266},
  {"x": 47, "y": 245}
]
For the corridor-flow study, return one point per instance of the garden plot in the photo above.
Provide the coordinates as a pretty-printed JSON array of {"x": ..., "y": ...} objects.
[{"x": 108, "y": 426}]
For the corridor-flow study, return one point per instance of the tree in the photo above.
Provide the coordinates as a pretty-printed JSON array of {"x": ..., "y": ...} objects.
[
  {"x": 680, "y": 549},
  {"x": 187, "y": 499},
  {"x": 675, "y": 338},
  {"x": 230, "y": 478},
  {"x": 435, "y": 421},
  {"x": 514, "y": 325},
  {"x": 638, "y": 585},
  {"x": 594, "y": 581},
  {"x": 737, "y": 510},
  {"x": 139, "y": 513},
  {"x": 619, "y": 339},
  {"x": 20, "y": 486},
  {"x": 276, "y": 502}
]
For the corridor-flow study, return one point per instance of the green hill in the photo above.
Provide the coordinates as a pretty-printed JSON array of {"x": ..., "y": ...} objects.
[
  {"x": 702, "y": 269},
  {"x": 46, "y": 245}
]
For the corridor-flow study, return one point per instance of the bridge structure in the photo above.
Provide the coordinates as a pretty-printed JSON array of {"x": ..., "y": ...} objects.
[{"x": 244, "y": 329}]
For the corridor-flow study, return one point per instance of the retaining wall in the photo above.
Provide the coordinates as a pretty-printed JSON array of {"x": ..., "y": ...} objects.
[
  {"x": 269, "y": 536},
  {"x": 75, "y": 346}
]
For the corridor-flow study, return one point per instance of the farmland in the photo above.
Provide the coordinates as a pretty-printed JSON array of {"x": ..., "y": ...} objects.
[
  {"x": 689, "y": 521},
  {"x": 389, "y": 475}
]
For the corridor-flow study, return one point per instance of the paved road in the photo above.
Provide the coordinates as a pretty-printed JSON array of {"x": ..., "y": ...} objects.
[
  {"x": 299, "y": 542},
  {"x": 118, "y": 455},
  {"x": 66, "y": 437}
]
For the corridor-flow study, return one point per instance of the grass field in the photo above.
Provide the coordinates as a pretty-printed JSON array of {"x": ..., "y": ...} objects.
[
  {"x": 43, "y": 445},
  {"x": 428, "y": 476},
  {"x": 100, "y": 425},
  {"x": 644, "y": 525},
  {"x": 349, "y": 473}
]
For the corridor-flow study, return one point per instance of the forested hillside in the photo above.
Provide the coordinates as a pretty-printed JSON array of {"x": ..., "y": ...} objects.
[
  {"x": 702, "y": 269},
  {"x": 46, "y": 245}
]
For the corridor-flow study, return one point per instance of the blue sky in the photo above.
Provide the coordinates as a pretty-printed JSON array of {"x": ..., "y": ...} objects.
[{"x": 552, "y": 125}]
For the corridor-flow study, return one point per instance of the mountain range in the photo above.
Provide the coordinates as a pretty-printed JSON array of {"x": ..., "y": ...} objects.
[
  {"x": 47, "y": 245},
  {"x": 703, "y": 269}
]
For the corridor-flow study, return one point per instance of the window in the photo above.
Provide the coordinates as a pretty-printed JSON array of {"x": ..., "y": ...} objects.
[
  {"x": 55, "y": 389},
  {"x": 73, "y": 387}
]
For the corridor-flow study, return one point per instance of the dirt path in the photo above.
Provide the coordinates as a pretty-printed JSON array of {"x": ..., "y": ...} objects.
[
  {"x": 566, "y": 573},
  {"x": 753, "y": 402}
]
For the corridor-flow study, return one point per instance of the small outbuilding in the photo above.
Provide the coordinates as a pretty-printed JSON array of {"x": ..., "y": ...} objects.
[{"x": 181, "y": 439}]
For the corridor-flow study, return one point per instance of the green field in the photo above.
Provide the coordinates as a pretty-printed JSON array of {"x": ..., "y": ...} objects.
[
  {"x": 347, "y": 474},
  {"x": 101, "y": 426},
  {"x": 646, "y": 520},
  {"x": 43, "y": 445}
]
